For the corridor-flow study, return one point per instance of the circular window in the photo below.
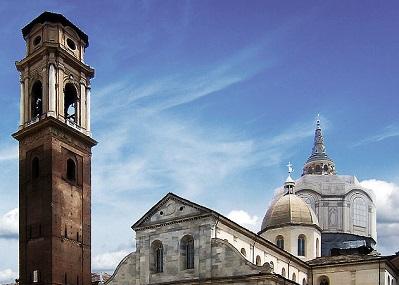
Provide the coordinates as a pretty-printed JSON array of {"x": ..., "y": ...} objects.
[
  {"x": 71, "y": 44},
  {"x": 37, "y": 40}
]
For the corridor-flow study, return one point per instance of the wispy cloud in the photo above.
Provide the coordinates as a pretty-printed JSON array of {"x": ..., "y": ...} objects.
[
  {"x": 130, "y": 95},
  {"x": 181, "y": 156},
  {"x": 9, "y": 225},
  {"x": 142, "y": 148},
  {"x": 8, "y": 275},
  {"x": 388, "y": 132}
]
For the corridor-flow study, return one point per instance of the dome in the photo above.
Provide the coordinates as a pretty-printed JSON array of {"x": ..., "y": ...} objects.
[{"x": 289, "y": 209}]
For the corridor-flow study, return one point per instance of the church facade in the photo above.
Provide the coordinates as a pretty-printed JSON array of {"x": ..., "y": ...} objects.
[{"x": 316, "y": 231}]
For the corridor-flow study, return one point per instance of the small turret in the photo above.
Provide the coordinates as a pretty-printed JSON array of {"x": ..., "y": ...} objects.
[{"x": 289, "y": 183}]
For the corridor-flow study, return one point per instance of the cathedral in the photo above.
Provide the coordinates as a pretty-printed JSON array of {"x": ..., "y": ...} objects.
[{"x": 319, "y": 229}]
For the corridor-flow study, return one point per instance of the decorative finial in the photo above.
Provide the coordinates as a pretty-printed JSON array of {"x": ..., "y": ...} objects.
[
  {"x": 290, "y": 169},
  {"x": 318, "y": 121},
  {"x": 289, "y": 182}
]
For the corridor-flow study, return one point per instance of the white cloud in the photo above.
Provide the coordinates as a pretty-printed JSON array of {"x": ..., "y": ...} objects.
[
  {"x": 8, "y": 276},
  {"x": 109, "y": 260},
  {"x": 387, "y": 201},
  {"x": 243, "y": 218},
  {"x": 9, "y": 224}
]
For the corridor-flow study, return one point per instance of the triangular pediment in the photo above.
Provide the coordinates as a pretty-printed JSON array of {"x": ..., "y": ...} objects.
[{"x": 171, "y": 208}]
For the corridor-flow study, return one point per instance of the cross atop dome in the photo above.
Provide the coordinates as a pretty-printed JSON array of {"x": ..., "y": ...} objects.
[
  {"x": 319, "y": 162},
  {"x": 289, "y": 183}
]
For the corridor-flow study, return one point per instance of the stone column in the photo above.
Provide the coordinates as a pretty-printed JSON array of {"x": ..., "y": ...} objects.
[
  {"x": 51, "y": 91},
  {"x": 21, "y": 104},
  {"x": 83, "y": 105},
  {"x": 88, "y": 93},
  {"x": 27, "y": 106}
]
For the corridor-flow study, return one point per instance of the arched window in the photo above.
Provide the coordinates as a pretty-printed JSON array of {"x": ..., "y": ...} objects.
[
  {"x": 389, "y": 280},
  {"x": 323, "y": 280},
  {"x": 71, "y": 170},
  {"x": 36, "y": 100},
  {"x": 258, "y": 260},
  {"x": 70, "y": 102},
  {"x": 359, "y": 212},
  {"x": 294, "y": 277},
  {"x": 301, "y": 245},
  {"x": 243, "y": 252},
  {"x": 304, "y": 281},
  {"x": 283, "y": 272},
  {"x": 187, "y": 252},
  {"x": 280, "y": 242},
  {"x": 317, "y": 247},
  {"x": 157, "y": 256},
  {"x": 318, "y": 169},
  {"x": 325, "y": 168},
  {"x": 35, "y": 168}
]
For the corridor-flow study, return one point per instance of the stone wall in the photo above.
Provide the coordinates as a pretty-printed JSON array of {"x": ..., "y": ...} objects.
[{"x": 216, "y": 260}]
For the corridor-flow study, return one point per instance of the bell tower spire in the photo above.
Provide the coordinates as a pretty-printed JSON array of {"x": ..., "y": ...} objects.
[
  {"x": 319, "y": 162},
  {"x": 54, "y": 154}
]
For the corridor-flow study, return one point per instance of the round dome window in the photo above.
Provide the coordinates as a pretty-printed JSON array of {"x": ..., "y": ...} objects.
[{"x": 71, "y": 44}]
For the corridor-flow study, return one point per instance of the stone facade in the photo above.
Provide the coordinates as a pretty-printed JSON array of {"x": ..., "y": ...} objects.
[
  {"x": 218, "y": 244},
  {"x": 355, "y": 270},
  {"x": 226, "y": 253},
  {"x": 335, "y": 200}
]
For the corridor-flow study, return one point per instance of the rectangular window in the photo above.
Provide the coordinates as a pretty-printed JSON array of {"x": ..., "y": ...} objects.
[
  {"x": 35, "y": 276},
  {"x": 159, "y": 261}
]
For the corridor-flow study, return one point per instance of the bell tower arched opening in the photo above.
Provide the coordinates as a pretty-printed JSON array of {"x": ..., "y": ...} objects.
[
  {"x": 36, "y": 100},
  {"x": 70, "y": 103}
]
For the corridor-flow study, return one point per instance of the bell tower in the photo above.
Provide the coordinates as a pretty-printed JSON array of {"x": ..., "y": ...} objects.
[{"x": 54, "y": 154}]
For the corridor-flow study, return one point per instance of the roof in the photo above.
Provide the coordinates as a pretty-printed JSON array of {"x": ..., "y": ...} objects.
[
  {"x": 54, "y": 18},
  {"x": 339, "y": 259},
  {"x": 331, "y": 185},
  {"x": 219, "y": 217},
  {"x": 289, "y": 210}
]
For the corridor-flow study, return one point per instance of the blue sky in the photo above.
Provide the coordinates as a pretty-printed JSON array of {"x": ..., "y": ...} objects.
[{"x": 211, "y": 99}]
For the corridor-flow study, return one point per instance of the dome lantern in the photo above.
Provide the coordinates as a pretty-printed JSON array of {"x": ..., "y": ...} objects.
[{"x": 318, "y": 162}]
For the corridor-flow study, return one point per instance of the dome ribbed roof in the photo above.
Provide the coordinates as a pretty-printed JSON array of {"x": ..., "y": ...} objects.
[{"x": 289, "y": 210}]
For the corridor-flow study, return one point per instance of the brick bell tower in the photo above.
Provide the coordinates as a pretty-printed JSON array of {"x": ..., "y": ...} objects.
[{"x": 54, "y": 154}]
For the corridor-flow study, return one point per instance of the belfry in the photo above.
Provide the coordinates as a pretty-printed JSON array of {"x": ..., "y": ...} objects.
[{"x": 54, "y": 154}]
